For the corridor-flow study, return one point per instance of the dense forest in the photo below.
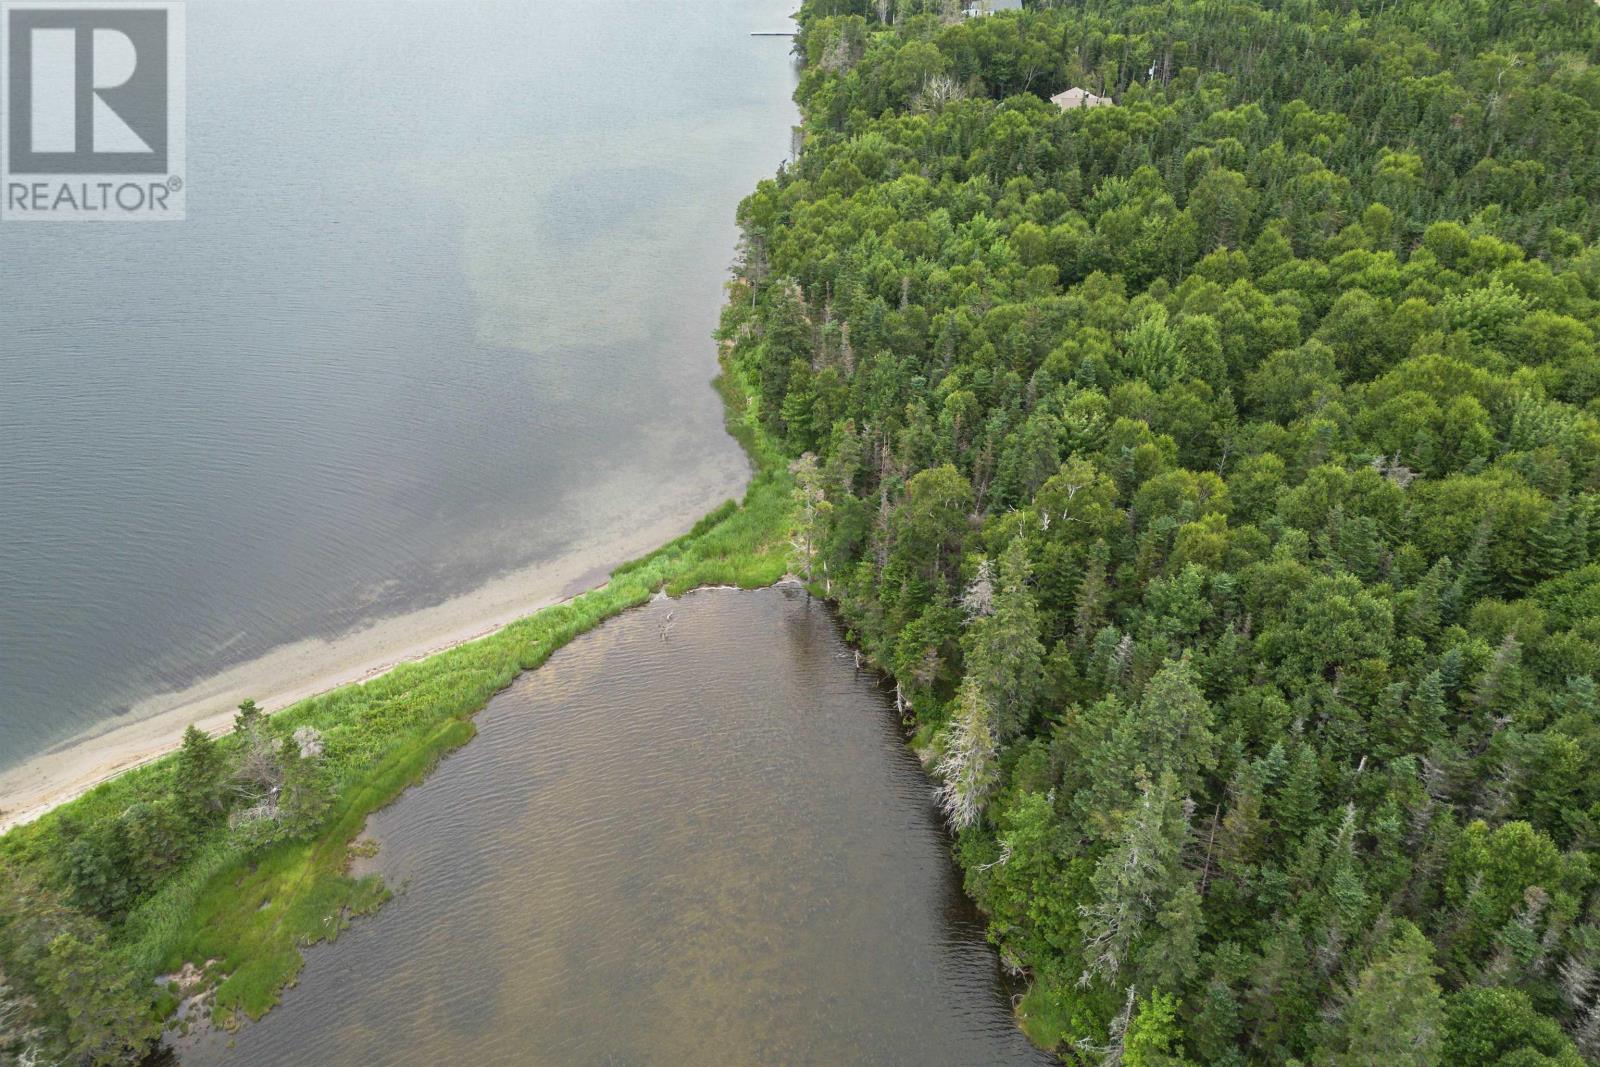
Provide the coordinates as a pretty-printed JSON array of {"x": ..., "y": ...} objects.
[{"x": 1217, "y": 472}]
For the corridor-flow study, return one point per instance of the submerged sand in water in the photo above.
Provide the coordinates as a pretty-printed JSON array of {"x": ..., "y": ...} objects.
[{"x": 293, "y": 672}]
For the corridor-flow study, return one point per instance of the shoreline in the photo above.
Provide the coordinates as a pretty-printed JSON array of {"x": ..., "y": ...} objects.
[
  {"x": 242, "y": 911},
  {"x": 312, "y": 667}
]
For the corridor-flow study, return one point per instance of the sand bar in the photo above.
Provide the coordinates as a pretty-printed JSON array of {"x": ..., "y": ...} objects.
[{"x": 293, "y": 672}]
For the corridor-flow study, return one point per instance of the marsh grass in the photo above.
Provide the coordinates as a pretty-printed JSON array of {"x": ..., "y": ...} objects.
[{"x": 244, "y": 913}]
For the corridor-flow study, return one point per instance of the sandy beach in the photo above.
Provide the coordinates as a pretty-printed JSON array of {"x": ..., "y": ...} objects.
[{"x": 293, "y": 672}]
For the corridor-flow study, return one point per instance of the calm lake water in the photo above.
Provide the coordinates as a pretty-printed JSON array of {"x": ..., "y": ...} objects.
[
  {"x": 695, "y": 836},
  {"x": 440, "y": 311}
]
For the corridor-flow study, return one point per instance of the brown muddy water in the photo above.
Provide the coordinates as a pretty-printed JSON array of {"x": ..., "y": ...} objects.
[{"x": 695, "y": 836}]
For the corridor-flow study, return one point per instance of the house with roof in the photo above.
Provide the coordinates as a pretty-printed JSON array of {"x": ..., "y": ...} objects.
[
  {"x": 978, "y": 8},
  {"x": 1076, "y": 97}
]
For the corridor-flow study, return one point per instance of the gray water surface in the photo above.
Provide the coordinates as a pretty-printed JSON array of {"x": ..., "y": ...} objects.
[
  {"x": 695, "y": 836},
  {"x": 440, "y": 310}
]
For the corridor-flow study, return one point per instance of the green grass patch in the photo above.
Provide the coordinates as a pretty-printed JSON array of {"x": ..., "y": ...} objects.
[
  {"x": 1046, "y": 1013},
  {"x": 253, "y": 915}
]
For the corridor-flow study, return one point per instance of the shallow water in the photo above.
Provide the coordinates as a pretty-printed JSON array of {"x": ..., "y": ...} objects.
[
  {"x": 440, "y": 312},
  {"x": 695, "y": 836}
]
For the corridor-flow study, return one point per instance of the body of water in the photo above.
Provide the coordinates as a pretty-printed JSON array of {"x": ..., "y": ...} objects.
[
  {"x": 695, "y": 836},
  {"x": 432, "y": 346}
]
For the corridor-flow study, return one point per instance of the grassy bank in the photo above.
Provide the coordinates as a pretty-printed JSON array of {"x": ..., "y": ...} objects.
[{"x": 244, "y": 911}]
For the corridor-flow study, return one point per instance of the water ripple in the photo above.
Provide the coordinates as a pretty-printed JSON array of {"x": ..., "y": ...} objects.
[{"x": 710, "y": 848}]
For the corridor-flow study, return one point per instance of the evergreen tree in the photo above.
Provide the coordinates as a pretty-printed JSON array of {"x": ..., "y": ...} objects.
[
  {"x": 107, "y": 1020},
  {"x": 1170, "y": 728},
  {"x": 1005, "y": 656},
  {"x": 1394, "y": 1013},
  {"x": 1135, "y": 880},
  {"x": 248, "y": 717},
  {"x": 198, "y": 778}
]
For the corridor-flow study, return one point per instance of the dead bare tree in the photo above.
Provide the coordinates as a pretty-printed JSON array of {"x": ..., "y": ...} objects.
[
  {"x": 978, "y": 601},
  {"x": 258, "y": 776},
  {"x": 936, "y": 92}
]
